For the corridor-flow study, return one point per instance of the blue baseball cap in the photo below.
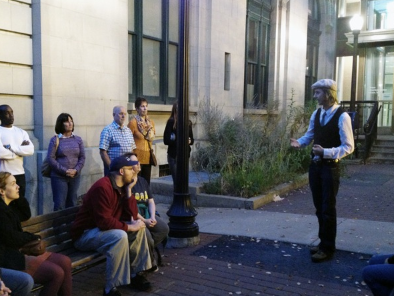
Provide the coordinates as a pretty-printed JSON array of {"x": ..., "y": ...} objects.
[{"x": 121, "y": 162}]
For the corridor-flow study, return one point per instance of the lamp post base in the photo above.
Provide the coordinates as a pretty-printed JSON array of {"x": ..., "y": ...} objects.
[
  {"x": 184, "y": 231},
  {"x": 177, "y": 243}
]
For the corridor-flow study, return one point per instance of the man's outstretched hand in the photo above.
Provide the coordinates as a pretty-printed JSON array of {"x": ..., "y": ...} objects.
[{"x": 294, "y": 143}]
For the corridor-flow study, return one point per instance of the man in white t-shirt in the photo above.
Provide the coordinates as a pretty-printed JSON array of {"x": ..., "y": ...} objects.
[{"x": 14, "y": 144}]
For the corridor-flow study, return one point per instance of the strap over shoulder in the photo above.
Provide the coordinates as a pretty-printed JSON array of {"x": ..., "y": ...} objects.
[{"x": 57, "y": 141}]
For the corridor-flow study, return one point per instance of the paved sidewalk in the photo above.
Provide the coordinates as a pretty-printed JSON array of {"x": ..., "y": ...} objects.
[
  {"x": 265, "y": 251},
  {"x": 365, "y": 209},
  {"x": 223, "y": 265}
]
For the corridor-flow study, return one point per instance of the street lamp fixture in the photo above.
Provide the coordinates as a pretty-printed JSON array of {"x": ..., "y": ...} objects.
[{"x": 356, "y": 23}]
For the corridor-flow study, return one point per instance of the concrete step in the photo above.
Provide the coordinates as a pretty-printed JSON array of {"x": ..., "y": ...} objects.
[
  {"x": 384, "y": 142},
  {"x": 382, "y": 153},
  {"x": 383, "y": 150},
  {"x": 383, "y": 146},
  {"x": 381, "y": 160}
]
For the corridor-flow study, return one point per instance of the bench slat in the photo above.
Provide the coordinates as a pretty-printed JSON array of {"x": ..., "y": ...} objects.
[
  {"x": 50, "y": 216},
  {"x": 52, "y": 233},
  {"x": 49, "y": 223},
  {"x": 79, "y": 259}
]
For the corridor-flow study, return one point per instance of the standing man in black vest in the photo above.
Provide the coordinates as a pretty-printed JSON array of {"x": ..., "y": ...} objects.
[{"x": 330, "y": 129}]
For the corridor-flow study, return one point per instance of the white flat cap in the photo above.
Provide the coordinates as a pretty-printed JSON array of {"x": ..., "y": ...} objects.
[{"x": 325, "y": 83}]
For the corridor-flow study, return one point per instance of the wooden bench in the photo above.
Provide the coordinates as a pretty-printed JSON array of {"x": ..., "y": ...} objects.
[{"x": 54, "y": 229}]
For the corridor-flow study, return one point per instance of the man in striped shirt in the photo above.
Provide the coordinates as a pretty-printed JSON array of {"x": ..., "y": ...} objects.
[{"x": 116, "y": 139}]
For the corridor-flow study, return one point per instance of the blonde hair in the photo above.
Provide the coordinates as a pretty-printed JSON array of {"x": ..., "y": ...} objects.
[
  {"x": 3, "y": 177},
  {"x": 331, "y": 94}
]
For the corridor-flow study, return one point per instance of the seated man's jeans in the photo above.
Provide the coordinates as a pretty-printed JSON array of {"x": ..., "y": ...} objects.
[
  {"x": 140, "y": 254},
  {"x": 115, "y": 246},
  {"x": 124, "y": 258},
  {"x": 19, "y": 282},
  {"x": 379, "y": 276}
]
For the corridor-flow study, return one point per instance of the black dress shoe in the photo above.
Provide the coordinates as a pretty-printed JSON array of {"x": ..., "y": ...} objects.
[
  {"x": 154, "y": 268},
  {"x": 139, "y": 282},
  {"x": 314, "y": 250},
  {"x": 112, "y": 292},
  {"x": 321, "y": 256}
]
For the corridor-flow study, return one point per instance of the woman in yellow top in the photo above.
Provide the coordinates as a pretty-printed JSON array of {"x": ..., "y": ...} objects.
[{"x": 143, "y": 130}]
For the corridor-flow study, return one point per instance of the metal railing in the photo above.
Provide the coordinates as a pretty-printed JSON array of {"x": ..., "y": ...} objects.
[{"x": 365, "y": 122}]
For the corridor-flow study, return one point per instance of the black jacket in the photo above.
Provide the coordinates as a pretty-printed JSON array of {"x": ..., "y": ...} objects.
[
  {"x": 171, "y": 151},
  {"x": 12, "y": 237}
]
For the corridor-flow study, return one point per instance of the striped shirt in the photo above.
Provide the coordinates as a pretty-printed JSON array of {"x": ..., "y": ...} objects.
[{"x": 116, "y": 140}]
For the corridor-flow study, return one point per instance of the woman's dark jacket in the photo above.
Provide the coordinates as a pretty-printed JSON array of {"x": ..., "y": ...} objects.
[
  {"x": 171, "y": 151},
  {"x": 12, "y": 237}
]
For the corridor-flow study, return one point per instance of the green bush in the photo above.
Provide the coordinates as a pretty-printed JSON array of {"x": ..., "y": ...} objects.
[{"x": 247, "y": 156}]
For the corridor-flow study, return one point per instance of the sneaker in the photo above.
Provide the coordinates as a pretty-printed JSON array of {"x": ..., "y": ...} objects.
[
  {"x": 154, "y": 268},
  {"x": 314, "y": 250},
  {"x": 112, "y": 292},
  {"x": 321, "y": 256},
  {"x": 139, "y": 282}
]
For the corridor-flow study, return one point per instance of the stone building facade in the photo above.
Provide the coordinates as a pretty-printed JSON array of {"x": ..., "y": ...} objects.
[{"x": 84, "y": 57}]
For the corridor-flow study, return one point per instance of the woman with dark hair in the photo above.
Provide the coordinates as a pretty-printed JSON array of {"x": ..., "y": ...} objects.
[
  {"x": 143, "y": 130},
  {"x": 170, "y": 139},
  {"x": 66, "y": 157},
  {"x": 51, "y": 270}
]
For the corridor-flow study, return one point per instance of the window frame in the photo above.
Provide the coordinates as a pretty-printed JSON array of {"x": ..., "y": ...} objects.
[
  {"x": 137, "y": 39},
  {"x": 312, "y": 52},
  {"x": 258, "y": 11}
]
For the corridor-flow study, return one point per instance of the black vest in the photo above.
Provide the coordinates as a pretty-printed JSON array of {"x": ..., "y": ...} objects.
[{"x": 327, "y": 136}]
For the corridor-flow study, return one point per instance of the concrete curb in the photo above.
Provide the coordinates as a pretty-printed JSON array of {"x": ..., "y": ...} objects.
[{"x": 163, "y": 192}]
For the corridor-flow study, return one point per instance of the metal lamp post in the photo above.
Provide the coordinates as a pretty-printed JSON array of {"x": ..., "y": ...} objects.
[
  {"x": 356, "y": 22},
  {"x": 184, "y": 230}
]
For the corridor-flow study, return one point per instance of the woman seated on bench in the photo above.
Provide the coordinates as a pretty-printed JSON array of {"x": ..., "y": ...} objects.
[{"x": 51, "y": 270}]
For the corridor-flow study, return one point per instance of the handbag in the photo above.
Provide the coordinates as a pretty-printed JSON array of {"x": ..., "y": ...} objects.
[
  {"x": 34, "y": 248},
  {"x": 152, "y": 158},
  {"x": 45, "y": 167}
]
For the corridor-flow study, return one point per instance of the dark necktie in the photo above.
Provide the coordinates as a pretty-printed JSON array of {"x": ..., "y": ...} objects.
[{"x": 323, "y": 120}]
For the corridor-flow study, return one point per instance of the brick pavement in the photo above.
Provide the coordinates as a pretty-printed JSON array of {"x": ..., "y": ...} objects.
[{"x": 222, "y": 265}]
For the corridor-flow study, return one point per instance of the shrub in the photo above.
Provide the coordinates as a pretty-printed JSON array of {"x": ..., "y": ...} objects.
[{"x": 247, "y": 156}]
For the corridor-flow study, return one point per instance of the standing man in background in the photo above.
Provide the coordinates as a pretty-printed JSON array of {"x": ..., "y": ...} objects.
[
  {"x": 116, "y": 139},
  {"x": 330, "y": 129},
  {"x": 14, "y": 145}
]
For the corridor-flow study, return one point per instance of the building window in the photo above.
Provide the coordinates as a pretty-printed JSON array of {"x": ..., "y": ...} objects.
[
  {"x": 256, "y": 60},
  {"x": 153, "y": 50},
  {"x": 227, "y": 70},
  {"x": 380, "y": 14},
  {"x": 312, "y": 50}
]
